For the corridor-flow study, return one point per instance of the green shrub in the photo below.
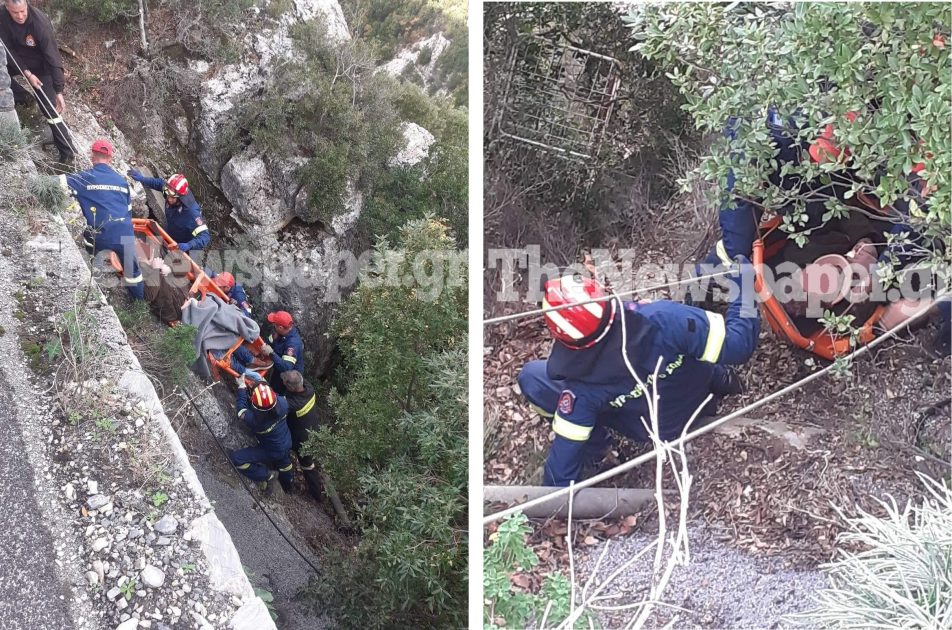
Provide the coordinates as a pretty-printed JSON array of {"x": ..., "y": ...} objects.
[
  {"x": 14, "y": 140},
  {"x": 438, "y": 185},
  {"x": 341, "y": 120},
  {"x": 506, "y": 557},
  {"x": 48, "y": 192},
  {"x": 176, "y": 346},
  {"x": 389, "y": 26},
  {"x": 817, "y": 62},
  {"x": 347, "y": 127},
  {"x": 135, "y": 316},
  {"x": 397, "y": 451},
  {"x": 425, "y": 56},
  {"x": 100, "y": 10}
]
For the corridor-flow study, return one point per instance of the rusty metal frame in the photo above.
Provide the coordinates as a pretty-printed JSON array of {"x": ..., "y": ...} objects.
[{"x": 579, "y": 90}]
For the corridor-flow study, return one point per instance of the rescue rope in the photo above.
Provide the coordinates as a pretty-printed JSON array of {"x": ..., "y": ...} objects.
[
  {"x": 543, "y": 311},
  {"x": 191, "y": 400},
  {"x": 685, "y": 438},
  {"x": 244, "y": 485},
  {"x": 69, "y": 135}
]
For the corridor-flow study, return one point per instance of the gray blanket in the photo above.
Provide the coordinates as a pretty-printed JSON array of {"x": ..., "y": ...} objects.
[{"x": 219, "y": 326}]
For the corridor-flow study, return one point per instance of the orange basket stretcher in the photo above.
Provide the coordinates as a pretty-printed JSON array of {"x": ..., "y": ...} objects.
[
  {"x": 151, "y": 236},
  {"x": 821, "y": 342}
]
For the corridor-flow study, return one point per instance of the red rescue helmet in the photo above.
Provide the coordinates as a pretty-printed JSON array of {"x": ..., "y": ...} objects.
[
  {"x": 583, "y": 325},
  {"x": 824, "y": 149},
  {"x": 225, "y": 281},
  {"x": 177, "y": 185},
  {"x": 263, "y": 397}
]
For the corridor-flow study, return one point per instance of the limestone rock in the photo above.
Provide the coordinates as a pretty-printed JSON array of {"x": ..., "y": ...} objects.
[
  {"x": 417, "y": 148},
  {"x": 409, "y": 57},
  {"x": 251, "y": 616},
  {"x": 153, "y": 577},
  {"x": 166, "y": 525},
  {"x": 225, "y": 570}
]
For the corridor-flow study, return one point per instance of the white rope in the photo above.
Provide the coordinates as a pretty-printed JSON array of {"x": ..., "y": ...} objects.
[
  {"x": 605, "y": 298},
  {"x": 69, "y": 134},
  {"x": 626, "y": 466}
]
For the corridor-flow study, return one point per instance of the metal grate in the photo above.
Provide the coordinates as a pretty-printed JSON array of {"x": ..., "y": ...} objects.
[{"x": 559, "y": 97}]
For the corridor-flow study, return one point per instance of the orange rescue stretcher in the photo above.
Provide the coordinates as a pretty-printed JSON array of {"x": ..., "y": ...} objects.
[
  {"x": 820, "y": 342},
  {"x": 152, "y": 239}
]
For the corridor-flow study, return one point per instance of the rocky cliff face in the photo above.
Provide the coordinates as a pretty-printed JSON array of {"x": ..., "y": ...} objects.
[
  {"x": 263, "y": 49},
  {"x": 305, "y": 270},
  {"x": 289, "y": 260}
]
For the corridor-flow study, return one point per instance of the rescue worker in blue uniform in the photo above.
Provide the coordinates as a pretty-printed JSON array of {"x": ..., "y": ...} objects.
[
  {"x": 739, "y": 217},
  {"x": 104, "y": 197},
  {"x": 586, "y": 388},
  {"x": 183, "y": 216},
  {"x": 235, "y": 292},
  {"x": 285, "y": 347},
  {"x": 265, "y": 413},
  {"x": 303, "y": 420}
]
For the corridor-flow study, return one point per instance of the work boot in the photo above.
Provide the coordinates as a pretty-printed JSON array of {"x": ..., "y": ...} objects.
[
  {"x": 267, "y": 486},
  {"x": 725, "y": 382},
  {"x": 260, "y": 363},
  {"x": 312, "y": 480},
  {"x": 287, "y": 484}
]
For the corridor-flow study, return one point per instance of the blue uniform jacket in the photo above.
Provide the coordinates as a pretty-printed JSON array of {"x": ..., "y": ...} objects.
[
  {"x": 236, "y": 296},
  {"x": 288, "y": 355},
  {"x": 104, "y": 197},
  {"x": 596, "y": 388},
  {"x": 239, "y": 298},
  {"x": 183, "y": 221},
  {"x": 270, "y": 427}
]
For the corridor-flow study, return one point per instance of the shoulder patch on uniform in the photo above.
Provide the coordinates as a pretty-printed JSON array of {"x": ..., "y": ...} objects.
[
  {"x": 198, "y": 221},
  {"x": 291, "y": 351},
  {"x": 566, "y": 402}
]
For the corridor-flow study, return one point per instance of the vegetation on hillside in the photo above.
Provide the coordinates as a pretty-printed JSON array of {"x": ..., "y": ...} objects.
[
  {"x": 397, "y": 450},
  {"x": 819, "y": 64},
  {"x": 345, "y": 121},
  {"x": 389, "y": 26}
]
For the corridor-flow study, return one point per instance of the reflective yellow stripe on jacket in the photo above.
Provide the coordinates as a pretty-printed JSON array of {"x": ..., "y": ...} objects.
[
  {"x": 721, "y": 251},
  {"x": 307, "y": 407},
  {"x": 539, "y": 410},
  {"x": 570, "y": 430},
  {"x": 715, "y": 337}
]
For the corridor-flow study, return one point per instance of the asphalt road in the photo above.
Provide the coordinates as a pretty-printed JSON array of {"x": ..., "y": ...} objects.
[{"x": 32, "y": 597}]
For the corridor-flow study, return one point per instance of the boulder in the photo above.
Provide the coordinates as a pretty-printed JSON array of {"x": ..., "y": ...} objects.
[
  {"x": 408, "y": 58},
  {"x": 417, "y": 147},
  {"x": 263, "y": 199}
]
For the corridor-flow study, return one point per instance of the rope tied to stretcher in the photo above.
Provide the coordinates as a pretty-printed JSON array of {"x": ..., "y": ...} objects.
[
  {"x": 49, "y": 106},
  {"x": 710, "y": 426}
]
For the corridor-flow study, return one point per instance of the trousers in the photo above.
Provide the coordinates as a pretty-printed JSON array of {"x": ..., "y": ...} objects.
[{"x": 23, "y": 96}]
